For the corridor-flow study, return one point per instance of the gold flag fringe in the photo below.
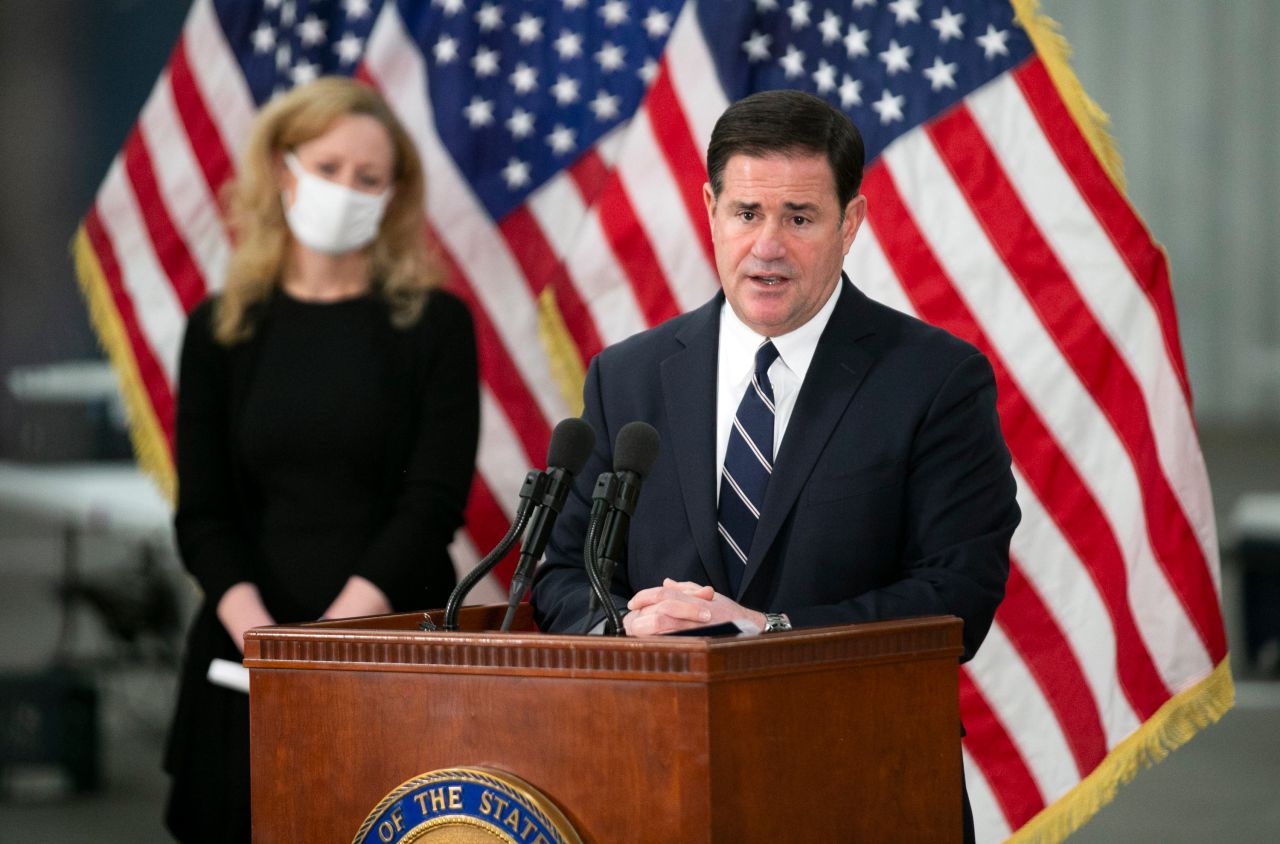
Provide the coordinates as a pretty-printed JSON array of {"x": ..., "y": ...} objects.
[
  {"x": 1054, "y": 51},
  {"x": 566, "y": 366},
  {"x": 149, "y": 442},
  {"x": 1172, "y": 726}
]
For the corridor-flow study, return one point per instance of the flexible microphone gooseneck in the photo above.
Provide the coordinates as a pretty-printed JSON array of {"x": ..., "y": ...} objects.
[
  {"x": 571, "y": 445},
  {"x": 534, "y": 486},
  {"x": 613, "y": 504}
]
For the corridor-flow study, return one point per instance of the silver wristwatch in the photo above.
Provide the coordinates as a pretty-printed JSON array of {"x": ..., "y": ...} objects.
[{"x": 775, "y": 622}]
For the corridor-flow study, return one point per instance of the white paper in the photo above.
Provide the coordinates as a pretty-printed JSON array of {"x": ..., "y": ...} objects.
[{"x": 231, "y": 675}]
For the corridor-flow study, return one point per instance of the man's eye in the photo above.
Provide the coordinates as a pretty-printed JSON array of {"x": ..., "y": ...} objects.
[
  {"x": 747, "y": 216},
  {"x": 327, "y": 168},
  {"x": 799, "y": 221}
]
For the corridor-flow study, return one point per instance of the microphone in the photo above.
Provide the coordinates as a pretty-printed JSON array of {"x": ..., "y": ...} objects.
[
  {"x": 613, "y": 504},
  {"x": 571, "y": 445}
]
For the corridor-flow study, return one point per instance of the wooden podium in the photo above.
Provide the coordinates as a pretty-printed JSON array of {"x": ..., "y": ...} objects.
[{"x": 826, "y": 734}]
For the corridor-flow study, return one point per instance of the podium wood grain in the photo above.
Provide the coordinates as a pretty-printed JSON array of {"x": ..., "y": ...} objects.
[{"x": 828, "y": 734}]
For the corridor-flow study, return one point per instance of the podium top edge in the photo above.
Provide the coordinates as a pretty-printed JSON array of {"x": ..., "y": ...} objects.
[
  {"x": 394, "y": 643},
  {"x": 402, "y": 625}
]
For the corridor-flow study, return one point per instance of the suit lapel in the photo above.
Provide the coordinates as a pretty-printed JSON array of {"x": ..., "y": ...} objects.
[
  {"x": 688, "y": 378},
  {"x": 838, "y": 367}
]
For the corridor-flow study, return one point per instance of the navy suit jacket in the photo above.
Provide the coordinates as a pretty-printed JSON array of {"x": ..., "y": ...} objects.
[{"x": 891, "y": 494}]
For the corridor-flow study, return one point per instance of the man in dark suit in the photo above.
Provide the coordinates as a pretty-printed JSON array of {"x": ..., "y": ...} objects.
[{"x": 891, "y": 493}]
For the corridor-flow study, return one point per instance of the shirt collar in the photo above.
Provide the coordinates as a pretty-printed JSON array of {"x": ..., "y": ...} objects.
[{"x": 795, "y": 348}]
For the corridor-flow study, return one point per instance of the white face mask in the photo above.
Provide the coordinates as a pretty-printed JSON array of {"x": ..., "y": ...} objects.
[{"x": 331, "y": 218}]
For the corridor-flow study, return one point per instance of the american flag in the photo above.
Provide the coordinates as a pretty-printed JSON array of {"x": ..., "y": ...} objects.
[{"x": 564, "y": 146}]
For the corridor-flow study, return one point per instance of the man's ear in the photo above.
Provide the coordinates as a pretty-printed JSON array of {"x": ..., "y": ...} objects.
[
  {"x": 709, "y": 198},
  {"x": 854, "y": 213}
]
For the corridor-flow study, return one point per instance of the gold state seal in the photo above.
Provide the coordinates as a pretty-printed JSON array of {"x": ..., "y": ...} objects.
[{"x": 466, "y": 806}]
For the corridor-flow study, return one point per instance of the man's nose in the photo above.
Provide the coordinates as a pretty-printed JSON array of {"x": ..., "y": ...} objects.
[{"x": 768, "y": 245}]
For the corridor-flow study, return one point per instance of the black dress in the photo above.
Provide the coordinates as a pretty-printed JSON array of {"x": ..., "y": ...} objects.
[{"x": 331, "y": 444}]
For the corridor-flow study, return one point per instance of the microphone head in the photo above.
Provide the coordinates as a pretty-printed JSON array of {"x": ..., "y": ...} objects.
[
  {"x": 571, "y": 444},
  {"x": 636, "y": 448}
]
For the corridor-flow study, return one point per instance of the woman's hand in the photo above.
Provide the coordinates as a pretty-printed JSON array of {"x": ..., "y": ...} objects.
[
  {"x": 241, "y": 609},
  {"x": 358, "y": 597}
]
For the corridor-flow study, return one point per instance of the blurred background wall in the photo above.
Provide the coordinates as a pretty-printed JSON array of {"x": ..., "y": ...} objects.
[{"x": 73, "y": 76}]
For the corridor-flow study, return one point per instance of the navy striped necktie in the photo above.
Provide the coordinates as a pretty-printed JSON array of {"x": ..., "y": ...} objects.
[{"x": 748, "y": 463}]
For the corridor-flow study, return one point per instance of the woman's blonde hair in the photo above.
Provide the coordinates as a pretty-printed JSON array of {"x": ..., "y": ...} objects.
[{"x": 403, "y": 268}]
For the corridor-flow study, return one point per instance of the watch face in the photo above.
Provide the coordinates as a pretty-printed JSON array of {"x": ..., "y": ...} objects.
[{"x": 775, "y": 622}]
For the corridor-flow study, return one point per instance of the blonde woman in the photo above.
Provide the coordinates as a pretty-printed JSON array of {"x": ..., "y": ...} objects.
[{"x": 328, "y": 413}]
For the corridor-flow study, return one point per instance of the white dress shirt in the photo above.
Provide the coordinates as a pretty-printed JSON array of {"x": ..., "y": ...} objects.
[{"x": 736, "y": 363}]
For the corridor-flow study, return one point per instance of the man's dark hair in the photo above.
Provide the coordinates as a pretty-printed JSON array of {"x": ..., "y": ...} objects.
[{"x": 786, "y": 123}]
